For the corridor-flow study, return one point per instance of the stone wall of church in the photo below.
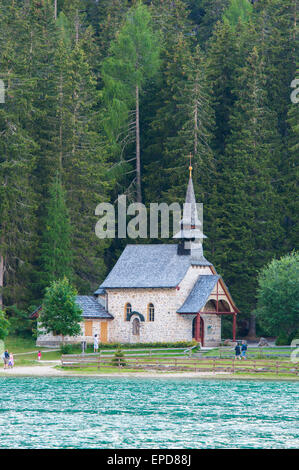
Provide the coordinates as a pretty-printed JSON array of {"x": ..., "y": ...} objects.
[
  {"x": 87, "y": 335},
  {"x": 212, "y": 329},
  {"x": 168, "y": 326}
]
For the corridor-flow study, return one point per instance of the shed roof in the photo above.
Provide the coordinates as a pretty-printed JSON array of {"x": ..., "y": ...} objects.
[
  {"x": 146, "y": 266},
  {"x": 199, "y": 294},
  {"x": 91, "y": 308}
]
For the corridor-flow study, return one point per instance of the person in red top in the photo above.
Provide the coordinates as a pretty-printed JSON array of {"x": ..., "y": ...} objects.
[{"x": 39, "y": 355}]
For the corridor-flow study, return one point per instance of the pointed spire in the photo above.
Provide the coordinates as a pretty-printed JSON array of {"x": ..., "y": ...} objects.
[{"x": 190, "y": 234}]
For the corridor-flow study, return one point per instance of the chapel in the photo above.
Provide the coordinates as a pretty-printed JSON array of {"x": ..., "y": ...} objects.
[
  {"x": 159, "y": 293},
  {"x": 167, "y": 292}
]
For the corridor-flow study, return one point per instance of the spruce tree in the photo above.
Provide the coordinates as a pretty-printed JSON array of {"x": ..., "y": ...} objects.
[
  {"x": 56, "y": 250},
  {"x": 205, "y": 14},
  {"x": 17, "y": 158},
  {"x": 276, "y": 24},
  {"x": 238, "y": 11},
  {"x": 42, "y": 45},
  {"x": 222, "y": 62},
  {"x": 248, "y": 229},
  {"x": 82, "y": 155},
  {"x": 165, "y": 114},
  {"x": 133, "y": 59},
  {"x": 290, "y": 178}
]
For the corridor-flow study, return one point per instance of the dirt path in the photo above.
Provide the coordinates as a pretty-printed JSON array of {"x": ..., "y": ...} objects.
[
  {"x": 35, "y": 352},
  {"x": 47, "y": 370},
  {"x": 38, "y": 370}
]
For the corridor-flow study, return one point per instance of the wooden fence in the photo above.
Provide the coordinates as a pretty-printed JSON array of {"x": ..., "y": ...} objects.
[
  {"x": 140, "y": 352},
  {"x": 179, "y": 364}
]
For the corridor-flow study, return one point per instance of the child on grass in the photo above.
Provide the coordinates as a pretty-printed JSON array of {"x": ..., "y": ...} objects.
[{"x": 11, "y": 361}]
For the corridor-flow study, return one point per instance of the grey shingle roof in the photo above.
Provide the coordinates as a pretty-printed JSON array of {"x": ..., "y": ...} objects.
[
  {"x": 199, "y": 294},
  {"x": 91, "y": 307},
  {"x": 100, "y": 291},
  {"x": 147, "y": 266}
]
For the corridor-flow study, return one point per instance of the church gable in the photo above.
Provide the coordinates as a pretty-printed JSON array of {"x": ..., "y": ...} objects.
[
  {"x": 199, "y": 294},
  {"x": 168, "y": 292}
]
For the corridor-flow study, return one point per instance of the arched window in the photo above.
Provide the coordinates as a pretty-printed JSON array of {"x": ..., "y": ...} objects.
[
  {"x": 150, "y": 312},
  {"x": 136, "y": 327},
  {"x": 128, "y": 310},
  {"x": 210, "y": 306}
]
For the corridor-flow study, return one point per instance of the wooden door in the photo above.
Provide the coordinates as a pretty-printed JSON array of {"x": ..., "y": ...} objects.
[
  {"x": 104, "y": 331},
  {"x": 88, "y": 327},
  {"x": 201, "y": 330}
]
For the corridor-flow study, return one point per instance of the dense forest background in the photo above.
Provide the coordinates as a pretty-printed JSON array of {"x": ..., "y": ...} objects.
[{"x": 213, "y": 79}]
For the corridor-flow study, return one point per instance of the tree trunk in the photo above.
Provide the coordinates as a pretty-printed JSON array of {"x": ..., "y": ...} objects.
[
  {"x": 2, "y": 268},
  {"x": 138, "y": 168},
  {"x": 195, "y": 120},
  {"x": 55, "y": 9},
  {"x": 252, "y": 326},
  {"x": 77, "y": 26},
  {"x": 60, "y": 125}
]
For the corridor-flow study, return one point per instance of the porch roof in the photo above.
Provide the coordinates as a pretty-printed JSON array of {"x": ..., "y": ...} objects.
[{"x": 199, "y": 294}]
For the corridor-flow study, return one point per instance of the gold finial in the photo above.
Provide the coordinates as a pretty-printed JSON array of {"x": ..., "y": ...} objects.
[{"x": 190, "y": 167}]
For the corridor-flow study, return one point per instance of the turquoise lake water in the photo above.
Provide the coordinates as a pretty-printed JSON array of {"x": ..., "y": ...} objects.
[{"x": 147, "y": 413}]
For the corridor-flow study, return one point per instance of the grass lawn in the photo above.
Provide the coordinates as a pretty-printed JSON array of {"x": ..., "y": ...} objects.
[
  {"x": 266, "y": 368},
  {"x": 18, "y": 345},
  {"x": 92, "y": 370},
  {"x": 251, "y": 352}
]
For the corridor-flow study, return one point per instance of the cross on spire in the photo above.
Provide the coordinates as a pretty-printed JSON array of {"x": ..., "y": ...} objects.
[{"x": 190, "y": 166}]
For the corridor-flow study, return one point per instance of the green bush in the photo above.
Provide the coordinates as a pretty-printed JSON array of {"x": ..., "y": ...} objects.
[
  {"x": 178, "y": 344},
  {"x": 282, "y": 340},
  {"x": 77, "y": 349},
  {"x": 278, "y": 290},
  {"x": 20, "y": 323},
  {"x": 4, "y": 325},
  {"x": 118, "y": 358},
  {"x": 66, "y": 349}
]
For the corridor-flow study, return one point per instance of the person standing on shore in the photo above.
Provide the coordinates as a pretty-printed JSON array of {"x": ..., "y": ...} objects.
[
  {"x": 5, "y": 357},
  {"x": 238, "y": 351},
  {"x": 11, "y": 361},
  {"x": 39, "y": 355},
  {"x": 95, "y": 344},
  {"x": 243, "y": 350}
]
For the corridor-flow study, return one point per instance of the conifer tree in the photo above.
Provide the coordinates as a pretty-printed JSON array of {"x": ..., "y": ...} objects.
[
  {"x": 237, "y": 11},
  {"x": 56, "y": 250},
  {"x": 290, "y": 178},
  {"x": 205, "y": 14},
  {"x": 276, "y": 24},
  {"x": 248, "y": 224},
  {"x": 222, "y": 62},
  {"x": 111, "y": 15},
  {"x": 166, "y": 117},
  {"x": 81, "y": 152},
  {"x": 17, "y": 158},
  {"x": 134, "y": 58},
  {"x": 42, "y": 46}
]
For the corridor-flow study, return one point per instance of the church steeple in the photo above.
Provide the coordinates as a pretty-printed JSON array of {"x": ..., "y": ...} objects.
[{"x": 190, "y": 234}]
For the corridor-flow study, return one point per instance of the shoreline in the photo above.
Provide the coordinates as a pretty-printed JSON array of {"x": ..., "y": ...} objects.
[{"x": 50, "y": 371}]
